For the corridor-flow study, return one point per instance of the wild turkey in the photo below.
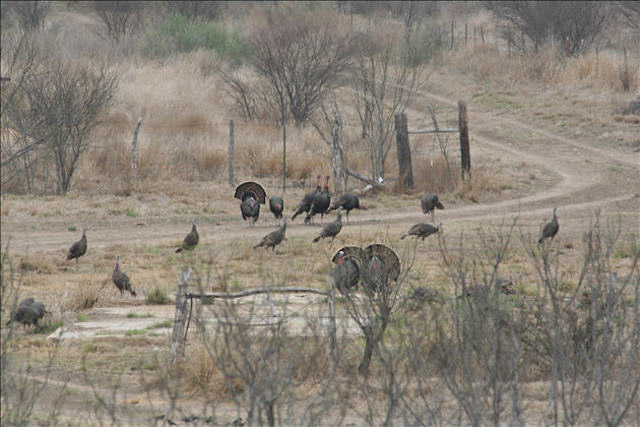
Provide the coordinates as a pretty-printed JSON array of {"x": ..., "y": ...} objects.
[
  {"x": 429, "y": 203},
  {"x": 121, "y": 280},
  {"x": 320, "y": 204},
  {"x": 276, "y": 206},
  {"x": 382, "y": 267},
  {"x": 79, "y": 248},
  {"x": 346, "y": 274},
  {"x": 274, "y": 238},
  {"x": 331, "y": 229},
  {"x": 422, "y": 230},
  {"x": 191, "y": 240},
  {"x": 307, "y": 200},
  {"x": 252, "y": 195},
  {"x": 347, "y": 202},
  {"x": 550, "y": 229},
  {"x": 28, "y": 312},
  {"x": 480, "y": 290}
]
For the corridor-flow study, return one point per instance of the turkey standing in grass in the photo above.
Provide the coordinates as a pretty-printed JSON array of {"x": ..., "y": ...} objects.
[
  {"x": 121, "y": 280},
  {"x": 422, "y": 230},
  {"x": 276, "y": 206},
  {"x": 307, "y": 200},
  {"x": 191, "y": 240},
  {"x": 550, "y": 229},
  {"x": 79, "y": 248},
  {"x": 250, "y": 209},
  {"x": 320, "y": 204},
  {"x": 274, "y": 238},
  {"x": 331, "y": 229},
  {"x": 429, "y": 203},
  {"x": 28, "y": 312},
  {"x": 346, "y": 274},
  {"x": 347, "y": 202}
]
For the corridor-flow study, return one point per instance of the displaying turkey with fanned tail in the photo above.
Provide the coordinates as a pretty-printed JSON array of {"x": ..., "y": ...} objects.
[
  {"x": 331, "y": 229},
  {"x": 382, "y": 266},
  {"x": 121, "y": 280},
  {"x": 307, "y": 200},
  {"x": 191, "y": 240},
  {"x": 79, "y": 248},
  {"x": 274, "y": 238},
  {"x": 550, "y": 229},
  {"x": 276, "y": 206},
  {"x": 347, "y": 202},
  {"x": 346, "y": 274},
  {"x": 252, "y": 195},
  {"x": 320, "y": 204},
  {"x": 422, "y": 230},
  {"x": 429, "y": 203}
]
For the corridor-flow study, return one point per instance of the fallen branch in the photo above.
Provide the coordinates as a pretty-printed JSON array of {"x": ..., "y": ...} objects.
[{"x": 363, "y": 178}]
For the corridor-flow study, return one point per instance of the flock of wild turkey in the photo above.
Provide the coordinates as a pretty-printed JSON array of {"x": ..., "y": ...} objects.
[{"x": 372, "y": 266}]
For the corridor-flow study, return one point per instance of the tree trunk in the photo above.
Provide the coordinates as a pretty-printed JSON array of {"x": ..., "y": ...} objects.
[
  {"x": 363, "y": 369},
  {"x": 404, "y": 151},
  {"x": 338, "y": 155}
]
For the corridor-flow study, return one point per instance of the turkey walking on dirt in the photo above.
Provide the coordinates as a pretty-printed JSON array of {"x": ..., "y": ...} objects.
[
  {"x": 191, "y": 240},
  {"x": 79, "y": 248},
  {"x": 250, "y": 209},
  {"x": 274, "y": 238},
  {"x": 121, "y": 280},
  {"x": 28, "y": 312},
  {"x": 422, "y": 230},
  {"x": 331, "y": 229},
  {"x": 320, "y": 204},
  {"x": 307, "y": 200},
  {"x": 276, "y": 206},
  {"x": 347, "y": 202},
  {"x": 429, "y": 203},
  {"x": 550, "y": 229}
]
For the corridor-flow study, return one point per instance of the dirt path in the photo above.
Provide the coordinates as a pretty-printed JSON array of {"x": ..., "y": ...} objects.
[{"x": 583, "y": 172}]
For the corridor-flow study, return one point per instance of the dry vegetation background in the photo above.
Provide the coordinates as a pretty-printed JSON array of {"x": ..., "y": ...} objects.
[{"x": 543, "y": 356}]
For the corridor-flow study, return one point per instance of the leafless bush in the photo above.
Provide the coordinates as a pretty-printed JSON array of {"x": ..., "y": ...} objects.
[
  {"x": 29, "y": 14},
  {"x": 630, "y": 11},
  {"x": 58, "y": 107},
  {"x": 299, "y": 59},
  {"x": 567, "y": 21},
  {"x": 196, "y": 9},
  {"x": 121, "y": 18},
  {"x": 385, "y": 86},
  {"x": 241, "y": 91}
]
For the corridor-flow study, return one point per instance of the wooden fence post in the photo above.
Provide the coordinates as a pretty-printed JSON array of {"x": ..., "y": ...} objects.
[
  {"x": 179, "y": 336},
  {"x": 465, "y": 154},
  {"x": 134, "y": 156},
  {"x": 405, "y": 174},
  {"x": 338, "y": 164},
  {"x": 232, "y": 178}
]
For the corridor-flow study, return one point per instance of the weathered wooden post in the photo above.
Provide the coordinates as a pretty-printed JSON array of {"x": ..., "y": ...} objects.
[
  {"x": 338, "y": 154},
  {"x": 405, "y": 174},
  {"x": 232, "y": 178},
  {"x": 134, "y": 156},
  {"x": 465, "y": 154},
  {"x": 509, "y": 38},
  {"x": 436, "y": 128},
  {"x": 466, "y": 30},
  {"x": 451, "y": 34},
  {"x": 179, "y": 335},
  {"x": 284, "y": 154}
]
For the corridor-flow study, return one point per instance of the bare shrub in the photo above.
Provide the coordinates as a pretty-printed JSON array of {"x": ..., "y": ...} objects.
[
  {"x": 192, "y": 10},
  {"x": 299, "y": 58},
  {"x": 541, "y": 21},
  {"x": 29, "y": 14},
  {"x": 66, "y": 100},
  {"x": 121, "y": 18}
]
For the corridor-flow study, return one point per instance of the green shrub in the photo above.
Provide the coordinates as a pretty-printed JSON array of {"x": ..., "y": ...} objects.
[{"x": 177, "y": 34}]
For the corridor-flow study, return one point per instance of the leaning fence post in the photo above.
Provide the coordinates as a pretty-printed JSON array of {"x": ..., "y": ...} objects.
[
  {"x": 134, "y": 155},
  {"x": 338, "y": 165},
  {"x": 331, "y": 324},
  {"x": 180, "y": 318},
  {"x": 463, "y": 126},
  {"x": 403, "y": 151}
]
